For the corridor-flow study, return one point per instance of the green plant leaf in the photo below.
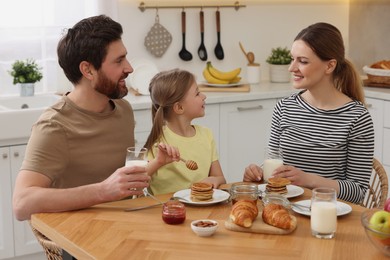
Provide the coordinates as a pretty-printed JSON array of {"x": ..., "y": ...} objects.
[
  {"x": 280, "y": 56},
  {"x": 26, "y": 71}
]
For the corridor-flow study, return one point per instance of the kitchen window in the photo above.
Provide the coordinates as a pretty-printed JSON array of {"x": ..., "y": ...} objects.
[{"x": 32, "y": 29}]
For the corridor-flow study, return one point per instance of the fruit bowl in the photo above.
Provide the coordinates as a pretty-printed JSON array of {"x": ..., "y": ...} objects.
[{"x": 379, "y": 239}]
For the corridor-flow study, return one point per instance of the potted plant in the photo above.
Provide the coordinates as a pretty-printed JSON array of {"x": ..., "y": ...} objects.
[
  {"x": 279, "y": 60},
  {"x": 25, "y": 74}
]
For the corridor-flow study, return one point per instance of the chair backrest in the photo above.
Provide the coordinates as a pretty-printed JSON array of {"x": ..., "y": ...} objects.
[
  {"x": 378, "y": 189},
  {"x": 52, "y": 251}
]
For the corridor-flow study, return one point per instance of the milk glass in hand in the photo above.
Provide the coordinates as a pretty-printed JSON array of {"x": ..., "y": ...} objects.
[
  {"x": 323, "y": 217},
  {"x": 137, "y": 156},
  {"x": 272, "y": 160}
]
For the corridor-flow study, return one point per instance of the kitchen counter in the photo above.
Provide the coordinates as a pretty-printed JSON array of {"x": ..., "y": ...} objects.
[{"x": 264, "y": 90}]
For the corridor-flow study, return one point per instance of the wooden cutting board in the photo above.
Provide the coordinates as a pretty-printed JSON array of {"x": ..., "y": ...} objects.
[
  {"x": 368, "y": 83},
  {"x": 258, "y": 226},
  {"x": 239, "y": 88}
]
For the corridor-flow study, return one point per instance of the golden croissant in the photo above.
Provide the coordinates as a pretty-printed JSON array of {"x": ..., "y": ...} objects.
[
  {"x": 278, "y": 216},
  {"x": 244, "y": 212}
]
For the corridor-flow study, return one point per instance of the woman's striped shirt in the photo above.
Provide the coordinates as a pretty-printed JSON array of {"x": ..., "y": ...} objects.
[{"x": 336, "y": 144}]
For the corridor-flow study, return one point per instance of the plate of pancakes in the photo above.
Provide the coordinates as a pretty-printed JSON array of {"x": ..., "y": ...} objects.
[
  {"x": 202, "y": 193},
  {"x": 281, "y": 186}
]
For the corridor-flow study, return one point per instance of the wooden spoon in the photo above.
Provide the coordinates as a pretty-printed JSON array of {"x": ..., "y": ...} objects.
[{"x": 250, "y": 56}]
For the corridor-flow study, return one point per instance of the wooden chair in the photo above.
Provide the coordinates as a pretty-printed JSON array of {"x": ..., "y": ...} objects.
[
  {"x": 378, "y": 189},
  {"x": 52, "y": 251}
]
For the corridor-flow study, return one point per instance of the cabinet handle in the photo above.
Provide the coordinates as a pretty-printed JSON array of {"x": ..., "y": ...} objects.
[
  {"x": 5, "y": 155},
  {"x": 16, "y": 154},
  {"x": 249, "y": 108}
]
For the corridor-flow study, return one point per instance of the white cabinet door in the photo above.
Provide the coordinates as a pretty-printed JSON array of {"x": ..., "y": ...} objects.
[
  {"x": 143, "y": 125},
  {"x": 24, "y": 239},
  {"x": 210, "y": 120},
  {"x": 6, "y": 217},
  {"x": 244, "y": 134},
  {"x": 375, "y": 107}
]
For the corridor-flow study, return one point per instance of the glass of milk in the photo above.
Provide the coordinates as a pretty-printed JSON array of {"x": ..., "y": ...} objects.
[
  {"x": 272, "y": 160},
  {"x": 323, "y": 217},
  {"x": 137, "y": 156}
]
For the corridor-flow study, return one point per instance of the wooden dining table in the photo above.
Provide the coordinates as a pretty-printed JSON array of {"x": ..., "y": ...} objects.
[{"x": 107, "y": 231}]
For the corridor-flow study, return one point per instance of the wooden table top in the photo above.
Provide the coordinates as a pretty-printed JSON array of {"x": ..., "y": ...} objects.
[{"x": 106, "y": 231}]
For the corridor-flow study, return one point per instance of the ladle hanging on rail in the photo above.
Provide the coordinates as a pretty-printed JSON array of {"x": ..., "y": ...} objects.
[
  {"x": 218, "y": 48},
  {"x": 184, "y": 54},
  {"x": 202, "y": 52}
]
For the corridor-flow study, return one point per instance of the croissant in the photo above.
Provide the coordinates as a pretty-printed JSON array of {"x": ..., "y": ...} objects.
[
  {"x": 276, "y": 215},
  {"x": 244, "y": 212}
]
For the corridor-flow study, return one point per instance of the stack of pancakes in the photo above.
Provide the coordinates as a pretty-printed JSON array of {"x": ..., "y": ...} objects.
[
  {"x": 201, "y": 191},
  {"x": 277, "y": 185}
]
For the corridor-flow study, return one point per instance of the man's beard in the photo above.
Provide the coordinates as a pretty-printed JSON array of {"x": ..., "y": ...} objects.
[{"x": 109, "y": 88}]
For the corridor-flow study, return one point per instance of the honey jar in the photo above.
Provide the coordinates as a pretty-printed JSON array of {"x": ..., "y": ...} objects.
[
  {"x": 244, "y": 191},
  {"x": 173, "y": 212}
]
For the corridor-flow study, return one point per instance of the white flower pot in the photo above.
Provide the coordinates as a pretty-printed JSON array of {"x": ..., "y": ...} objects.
[
  {"x": 26, "y": 89},
  {"x": 279, "y": 73}
]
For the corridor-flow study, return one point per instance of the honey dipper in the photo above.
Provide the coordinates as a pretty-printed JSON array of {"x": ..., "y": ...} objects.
[{"x": 189, "y": 163}]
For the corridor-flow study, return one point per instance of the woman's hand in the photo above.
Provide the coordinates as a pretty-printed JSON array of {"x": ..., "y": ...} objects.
[
  {"x": 253, "y": 173},
  {"x": 295, "y": 175}
]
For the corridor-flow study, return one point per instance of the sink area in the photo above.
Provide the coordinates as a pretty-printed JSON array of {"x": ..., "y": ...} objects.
[
  {"x": 33, "y": 102},
  {"x": 18, "y": 114}
]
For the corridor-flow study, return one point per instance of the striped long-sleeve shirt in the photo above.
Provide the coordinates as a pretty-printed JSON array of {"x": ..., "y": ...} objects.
[{"x": 336, "y": 144}]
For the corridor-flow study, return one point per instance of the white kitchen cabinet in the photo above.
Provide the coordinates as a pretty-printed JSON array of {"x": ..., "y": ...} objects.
[
  {"x": 17, "y": 239},
  {"x": 380, "y": 113},
  {"x": 143, "y": 125},
  {"x": 376, "y": 109},
  {"x": 244, "y": 133},
  {"x": 210, "y": 120},
  {"x": 386, "y": 136},
  {"x": 6, "y": 217}
]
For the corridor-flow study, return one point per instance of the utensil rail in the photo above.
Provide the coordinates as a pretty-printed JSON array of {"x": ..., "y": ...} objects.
[{"x": 142, "y": 6}]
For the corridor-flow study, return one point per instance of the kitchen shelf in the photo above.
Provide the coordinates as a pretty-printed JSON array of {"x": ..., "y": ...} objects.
[{"x": 142, "y": 6}]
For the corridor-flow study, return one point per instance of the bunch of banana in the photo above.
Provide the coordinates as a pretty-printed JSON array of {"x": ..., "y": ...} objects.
[{"x": 214, "y": 76}]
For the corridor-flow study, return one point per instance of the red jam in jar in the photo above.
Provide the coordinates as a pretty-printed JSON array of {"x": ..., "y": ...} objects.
[{"x": 173, "y": 212}]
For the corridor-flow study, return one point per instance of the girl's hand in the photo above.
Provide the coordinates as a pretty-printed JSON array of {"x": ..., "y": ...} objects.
[
  {"x": 212, "y": 180},
  {"x": 167, "y": 154},
  {"x": 253, "y": 173}
]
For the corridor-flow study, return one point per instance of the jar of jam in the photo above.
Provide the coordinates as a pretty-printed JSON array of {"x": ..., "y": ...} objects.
[
  {"x": 173, "y": 212},
  {"x": 244, "y": 191}
]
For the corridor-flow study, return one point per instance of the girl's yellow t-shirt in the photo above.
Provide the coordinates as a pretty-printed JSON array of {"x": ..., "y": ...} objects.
[{"x": 176, "y": 176}]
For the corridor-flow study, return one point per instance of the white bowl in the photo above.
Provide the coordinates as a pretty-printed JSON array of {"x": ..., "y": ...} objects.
[{"x": 204, "y": 231}]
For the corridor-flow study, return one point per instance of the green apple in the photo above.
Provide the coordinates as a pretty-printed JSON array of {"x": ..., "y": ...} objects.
[{"x": 380, "y": 221}]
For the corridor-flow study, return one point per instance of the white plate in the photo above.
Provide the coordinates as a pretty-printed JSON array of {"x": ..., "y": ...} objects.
[
  {"x": 218, "y": 196},
  {"x": 292, "y": 190},
  {"x": 143, "y": 72},
  {"x": 222, "y": 85},
  {"x": 342, "y": 208}
]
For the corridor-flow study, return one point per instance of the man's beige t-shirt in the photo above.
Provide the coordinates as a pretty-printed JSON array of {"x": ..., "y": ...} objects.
[{"x": 75, "y": 147}]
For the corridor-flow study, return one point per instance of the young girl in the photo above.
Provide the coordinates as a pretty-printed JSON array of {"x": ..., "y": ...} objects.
[{"x": 176, "y": 101}]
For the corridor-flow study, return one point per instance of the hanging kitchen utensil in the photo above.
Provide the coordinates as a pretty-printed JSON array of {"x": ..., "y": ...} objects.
[
  {"x": 202, "y": 53},
  {"x": 218, "y": 48},
  {"x": 158, "y": 38},
  {"x": 184, "y": 54}
]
